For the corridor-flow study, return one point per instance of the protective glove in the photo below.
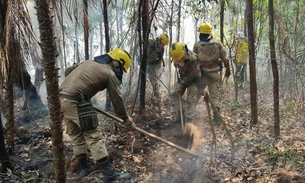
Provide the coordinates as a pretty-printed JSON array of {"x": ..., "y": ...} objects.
[
  {"x": 129, "y": 124},
  {"x": 180, "y": 90},
  {"x": 228, "y": 73}
]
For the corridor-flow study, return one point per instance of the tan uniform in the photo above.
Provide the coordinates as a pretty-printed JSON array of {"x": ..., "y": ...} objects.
[
  {"x": 210, "y": 53},
  {"x": 89, "y": 78},
  {"x": 71, "y": 68},
  {"x": 154, "y": 61},
  {"x": 187, "y": 74}
]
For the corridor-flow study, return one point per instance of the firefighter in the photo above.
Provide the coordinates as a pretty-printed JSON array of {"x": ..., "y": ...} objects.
[
  {"x": 155, "y": 52},
  {"x": 211, "y": 54},
  {"x": 83, "y": 81},
  {"x": 187, "y": 63},
  {"x": 241, "y": 57}
]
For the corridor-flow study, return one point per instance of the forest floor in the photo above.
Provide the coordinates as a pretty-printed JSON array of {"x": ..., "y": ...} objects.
[{"x": 258, "y": 156}]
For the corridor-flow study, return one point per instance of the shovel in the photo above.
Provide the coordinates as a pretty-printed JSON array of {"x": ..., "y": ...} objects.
[{"x": 149, "y": 134}]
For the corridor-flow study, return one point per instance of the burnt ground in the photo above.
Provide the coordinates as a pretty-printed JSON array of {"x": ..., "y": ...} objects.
[{"x": 258, "y": 157}]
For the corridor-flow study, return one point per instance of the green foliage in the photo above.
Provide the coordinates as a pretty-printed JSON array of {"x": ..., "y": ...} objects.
[
  {"x": 28, "y": 178},
  {"x": 284, "y": 157},
  {"x": 290, "y": 107}
]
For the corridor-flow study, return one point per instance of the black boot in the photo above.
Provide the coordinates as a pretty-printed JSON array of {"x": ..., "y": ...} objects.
[
  {"x": 86, "y": 167},
  {"x": 215, "y": 117},
  {"x": 109, "y": 173}
]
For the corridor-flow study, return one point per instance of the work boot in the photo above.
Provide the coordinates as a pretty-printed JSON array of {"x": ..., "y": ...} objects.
[
  {"x": 109, "y": 173},
  {"x": 86, "y": 167},
  {"x": 215, "y": 117}
]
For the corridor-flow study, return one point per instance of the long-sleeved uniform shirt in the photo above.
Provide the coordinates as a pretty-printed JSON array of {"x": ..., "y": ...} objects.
[
  {"x": 188, "y": 72},
  {"x": 89, "y": 78}
]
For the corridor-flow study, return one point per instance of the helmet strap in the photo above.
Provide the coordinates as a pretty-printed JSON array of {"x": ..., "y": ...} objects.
[{"x": 117, "y": 69}]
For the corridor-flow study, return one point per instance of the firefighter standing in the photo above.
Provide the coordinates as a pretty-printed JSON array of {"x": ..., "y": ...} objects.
[
  {"x": 187, "y": 63},
  {"x": 155, "y": 52},
  {"x": 241, "y": 57},
  {"x": 211, "y": 54},
  {"x": 83, "y": 81}
]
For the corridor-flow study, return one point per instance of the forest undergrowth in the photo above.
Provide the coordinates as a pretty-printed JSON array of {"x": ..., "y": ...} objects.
[{"x": 259, "y": 157}]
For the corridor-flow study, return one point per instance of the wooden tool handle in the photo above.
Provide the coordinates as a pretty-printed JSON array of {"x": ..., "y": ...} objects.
[{"x": 149, "y": 134}]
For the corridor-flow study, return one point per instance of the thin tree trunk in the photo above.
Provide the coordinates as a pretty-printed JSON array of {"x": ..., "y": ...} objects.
[
  {"x": 47, "y": 43},
  {"x": 179, "y": 21},
  {"x": 253, "y": 85},
  {"x": 86, "y": 29},
  {"x": 107, "y": 38},
  {"x": 145, "y": 33},
  {"x": 275, "y": 72},
  {"x": 170, "y": 81},
  {"x": 222, "y": 10},
  {"x": 76, "y": 45},
  {"x": 63, "y": 58},
  {"x": 101, "y": 29}
]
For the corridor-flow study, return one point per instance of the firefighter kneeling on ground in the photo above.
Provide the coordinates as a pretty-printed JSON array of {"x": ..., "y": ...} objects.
[
  {"x": 187, "y": 63},
  {"x": 83, "y": 81}
]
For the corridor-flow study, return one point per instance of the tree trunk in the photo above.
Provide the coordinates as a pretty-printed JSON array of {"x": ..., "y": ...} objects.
[
  {"x": 253, "y": 84},
  {"x": 101, "y": 29},
  {"x": 48, "y": 49},
  {"x": 32, "y": 99},
  {"x": 76, "y": 45},
  {"x": 170, "y": 80},
  {"x": 179, "y": 21},
  {"x": 4, "y": 158},
  {"x": 107, "y": 38},
  {"x": 9, "y": 100},
  {"x": 86, "y": 29},
  {"x": 145, "y": 32},
  {"x": 275, "y": 72},
  {"x": 222, "y": 10}
]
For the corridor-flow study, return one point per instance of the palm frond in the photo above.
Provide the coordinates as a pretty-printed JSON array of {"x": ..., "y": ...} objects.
[{"x": 18, "y": 35}]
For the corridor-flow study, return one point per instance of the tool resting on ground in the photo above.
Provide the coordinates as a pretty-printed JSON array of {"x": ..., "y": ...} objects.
[{"x": 149, "y": 134}]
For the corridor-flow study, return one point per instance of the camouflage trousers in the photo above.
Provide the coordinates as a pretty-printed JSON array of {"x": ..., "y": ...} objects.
[
  {"x": 92, "y": 139},
  {"x": 212, "y": 85},
  {"x": 153, "y": 72},
  {"x": 192, "y": 98}
]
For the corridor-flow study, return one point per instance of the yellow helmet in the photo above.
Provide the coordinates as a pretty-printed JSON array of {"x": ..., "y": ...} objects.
[
  {"x": 177, "y": 51},
  {"x": 164, "y": 39},
  {"x": 205, "y": 28},
  {"x": 122, "y": 56}
]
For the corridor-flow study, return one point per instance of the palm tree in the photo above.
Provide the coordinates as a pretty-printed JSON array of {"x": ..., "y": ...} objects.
[{"x": 48, "y": 50}]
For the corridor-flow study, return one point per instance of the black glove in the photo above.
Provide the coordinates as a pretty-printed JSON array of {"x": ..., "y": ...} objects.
[{"x": 228, "y": 73}]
